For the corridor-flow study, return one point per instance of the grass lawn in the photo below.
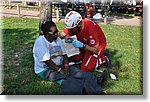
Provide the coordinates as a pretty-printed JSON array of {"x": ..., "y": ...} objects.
[{"x": 124, "y": 46}]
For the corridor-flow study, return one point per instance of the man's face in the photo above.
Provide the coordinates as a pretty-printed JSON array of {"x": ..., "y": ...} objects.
[
  {"x": 52, "y": 35},
  {"x": 76, "y": 30}
]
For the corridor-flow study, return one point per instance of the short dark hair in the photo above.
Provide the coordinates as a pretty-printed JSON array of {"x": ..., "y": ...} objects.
[{"x": 45, "y": 27}]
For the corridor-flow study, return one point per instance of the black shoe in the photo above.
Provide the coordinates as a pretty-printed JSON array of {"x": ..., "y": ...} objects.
[
  {"x": 107, "y": 64},
  {"x": 103, "y": 78}
]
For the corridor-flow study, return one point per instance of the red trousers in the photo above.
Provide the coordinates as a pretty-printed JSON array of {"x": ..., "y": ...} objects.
[{"x": 89, "y": 60}]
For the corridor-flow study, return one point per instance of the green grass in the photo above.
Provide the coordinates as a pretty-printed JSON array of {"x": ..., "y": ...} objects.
[{"x": 124, "y": 45}]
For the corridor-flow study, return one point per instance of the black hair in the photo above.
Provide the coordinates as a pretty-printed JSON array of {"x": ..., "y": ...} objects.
[{"x": 45, "y": 27}]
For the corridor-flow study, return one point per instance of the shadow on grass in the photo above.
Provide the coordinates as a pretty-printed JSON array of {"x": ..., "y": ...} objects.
[
  {"x": 115, "y": 64},
  {"x": 18, "y": 60},
  {"x": 114, "y": 58},
  {"x": 19, "y": 76}
]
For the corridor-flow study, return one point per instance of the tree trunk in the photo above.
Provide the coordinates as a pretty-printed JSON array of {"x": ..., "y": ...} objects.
[
  {"x": 106, "y": 9},
  {"x": 45, "y": 12},
  {"x": 105, "y": 17}
]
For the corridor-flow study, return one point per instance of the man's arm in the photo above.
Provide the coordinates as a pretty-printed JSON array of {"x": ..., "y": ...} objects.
[
  {"x": 94, "y": 49},
  {"x": 65, "y": 59},
  {"x": 66, "y": 64},
  {"x": 52, "y": 65},
  {"x": 62, "y": 34}
]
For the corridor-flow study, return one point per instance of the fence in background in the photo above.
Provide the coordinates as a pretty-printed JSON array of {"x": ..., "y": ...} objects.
[{"x": 61, "y": 10}]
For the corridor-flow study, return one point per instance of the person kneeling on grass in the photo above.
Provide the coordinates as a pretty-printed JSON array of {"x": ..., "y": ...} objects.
[{"x": 51, "y": 63}]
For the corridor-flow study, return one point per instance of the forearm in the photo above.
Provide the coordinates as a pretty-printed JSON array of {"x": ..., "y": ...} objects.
[
  {"x": 52, "y": 65},
  {"x": 62, "y": 34},
  {"x": 95, "y": 49},
  {"x": 91, "y": 49},
  {"x": 65, "y": 61}
]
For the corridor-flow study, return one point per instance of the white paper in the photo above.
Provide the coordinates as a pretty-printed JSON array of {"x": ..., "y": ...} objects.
[
  {"x": 70, "y": 49},
  {"x": 112, "y": 76}
]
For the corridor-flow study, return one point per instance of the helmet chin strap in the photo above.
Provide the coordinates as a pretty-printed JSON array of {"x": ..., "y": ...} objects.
[{"x": 79, "y": 27}]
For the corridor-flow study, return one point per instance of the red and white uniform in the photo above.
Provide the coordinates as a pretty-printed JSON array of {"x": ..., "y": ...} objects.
[
  {"x": 91, "y": 35},
  {"x": 90, "y": 10}
]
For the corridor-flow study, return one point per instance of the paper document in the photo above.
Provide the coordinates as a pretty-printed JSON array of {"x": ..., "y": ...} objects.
[{"x": 70, "y": 49}]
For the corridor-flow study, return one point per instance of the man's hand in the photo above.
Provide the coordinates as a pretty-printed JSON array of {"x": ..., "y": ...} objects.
[
  {"x": 61, "y": 34},
  {"x": 77, "y": 44},
  {"x": 64, "y": 71}
]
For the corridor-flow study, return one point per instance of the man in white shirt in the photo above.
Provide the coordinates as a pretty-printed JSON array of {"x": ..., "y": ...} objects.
[{"x": 49, "y": 54}]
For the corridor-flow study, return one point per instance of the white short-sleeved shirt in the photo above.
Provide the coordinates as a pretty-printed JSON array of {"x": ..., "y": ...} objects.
[{"x": 43, "y": 50}]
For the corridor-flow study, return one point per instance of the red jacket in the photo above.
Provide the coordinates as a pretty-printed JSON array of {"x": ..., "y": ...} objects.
[{"x": 91, "y": 35}]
